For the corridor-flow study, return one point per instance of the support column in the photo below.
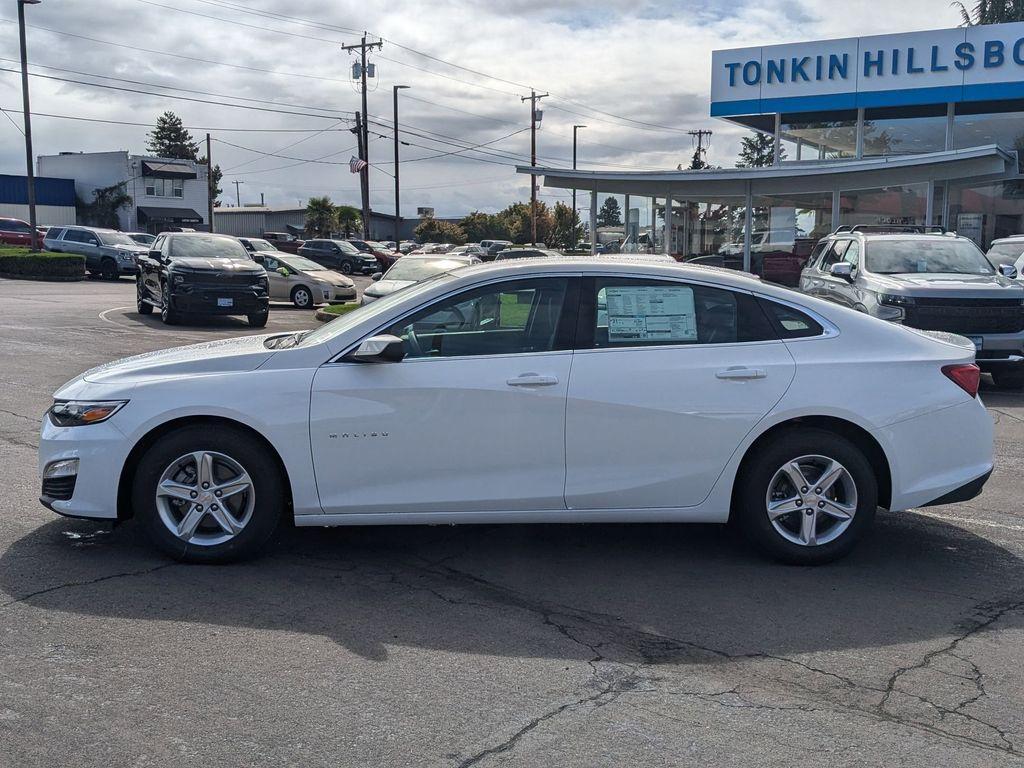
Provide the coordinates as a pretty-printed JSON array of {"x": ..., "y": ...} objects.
[
  {"x": 748, "y": 223},
  {"x": 929, "y": 204},
  {"x": 950, "y": 119},
  {"x": 625, "y": 219},
  {"x": 777, "y": 144},
  {"x": 945, "y": 205},
  {"x": 835, "y": 209},
  {"x": 593, "y": 223},
  {"x": 667, "y": 245},
  {"x": 654, "y": 224},
  {"x": 860, "y": 133}
]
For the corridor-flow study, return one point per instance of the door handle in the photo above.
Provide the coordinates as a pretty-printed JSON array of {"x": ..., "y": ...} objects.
[
  {"x": 742, "y": 373},
  {"x": 532, "y": 380}
]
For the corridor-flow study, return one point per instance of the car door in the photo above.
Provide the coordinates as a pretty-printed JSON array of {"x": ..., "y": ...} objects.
[
  {"x": 150, "y": 268},
  {"x": 810, "y": 277},
  {"x": 846, "y": 292},
  {"x": 668, "y": 378},
  {"x": 280, "y": 286},
  {"x": 472, "y": 420},
  {"x": 832, "y": 287}
]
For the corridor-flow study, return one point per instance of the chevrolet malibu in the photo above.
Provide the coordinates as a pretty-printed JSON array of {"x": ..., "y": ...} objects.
[{"x": 692, "y": 395}]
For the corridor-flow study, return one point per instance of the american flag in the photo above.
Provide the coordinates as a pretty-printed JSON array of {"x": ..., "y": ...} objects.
[{"x": 356, "y": 164}]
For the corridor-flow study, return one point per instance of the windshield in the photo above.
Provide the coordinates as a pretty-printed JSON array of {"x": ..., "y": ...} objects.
[
  {"x": 115, "y": 238},
  {"x": 299, "y": 263},
  {"x": 418, "y": 269},
  {"x": 894, "y": 257},
  {"x": 261, "y": 245},
  {"x": 143, "y": 238},
  {"x": 346, "y": 246},
  {"x": 356, "y": 316},
  {"x": 1005, "y": 253},
  {"x": 207, "y": 247}
]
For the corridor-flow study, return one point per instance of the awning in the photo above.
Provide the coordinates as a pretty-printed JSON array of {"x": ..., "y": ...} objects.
[
  {"x": 975, "y": 164},
  {"x": 177, "y": 215},
  {"x": 168, "y": 170}
]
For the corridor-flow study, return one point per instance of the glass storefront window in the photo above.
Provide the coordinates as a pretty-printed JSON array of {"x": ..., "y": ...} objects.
[
  {"x": 904, "y": 130},
  {"x": 1002, "y": 123},
  {"x": 884, "y": 205},
  {"x": 820, "y": 135},
  {"x": 785, "y": 230},
  {"x": 988, "y": 211}
]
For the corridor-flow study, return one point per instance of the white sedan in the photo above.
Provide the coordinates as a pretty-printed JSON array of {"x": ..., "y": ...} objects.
[{"x": 503, "y": 394}]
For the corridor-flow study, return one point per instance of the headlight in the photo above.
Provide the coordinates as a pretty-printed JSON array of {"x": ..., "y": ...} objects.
[
  {"x": 894, "y": 300},
  {"x": 77, "y": 413}
]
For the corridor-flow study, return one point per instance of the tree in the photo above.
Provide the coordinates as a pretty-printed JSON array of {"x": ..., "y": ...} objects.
[
  {"x": 567, "y": 230},
  {"x": 349, "y": 219},
  {"x": 520, "y": 229},
  {"x": 758, "y": 151},
  {"x": 216, "y": 176},
  {"x": 321, "y": 216},
  {"x": 484, "y": 226},
  {"x": 698, "y": 163},
  {"x": 171, "y": 139},
  {"x": 991, "y": 12},
  {"x": 102, "y": 211},
  {"x": 610, "y": 214},
  {"x": 430, "y": 230}
]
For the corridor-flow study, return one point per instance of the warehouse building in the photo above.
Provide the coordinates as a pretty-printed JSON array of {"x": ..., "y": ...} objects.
[{"x": 55, "y": 199}]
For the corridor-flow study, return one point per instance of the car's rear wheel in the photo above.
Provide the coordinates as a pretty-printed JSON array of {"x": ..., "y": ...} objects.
[
  {"x": 258, "y": 319},
  {"x": 108, "y": 269},
  {"x": 208, "y": 494},
  {"x": 1009, "y": 378},
  {"x": 807, "y": 497},
  {"x": 346, "y": 267},
  {"x": 302, "y": 297}
]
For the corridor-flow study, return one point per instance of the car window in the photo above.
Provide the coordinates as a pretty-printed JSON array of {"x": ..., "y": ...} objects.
[
  {"x": 158, "y": 243},
  {"x": 55, "y": 233},
  {"x": 819, "y": 248},
  {"x": 834, "y": 254},
  {"x": 852, "y": 255},
  {"x": 270, "y": 263},
  {"x": 790, "y": 323},
  {"x": 506, "y": 318},
  {"x": 933, "y": 256},
  {"x": 636, "y": 312},
  {"x": 79, "y": 236},
  {"x": 13, "y": 225}
]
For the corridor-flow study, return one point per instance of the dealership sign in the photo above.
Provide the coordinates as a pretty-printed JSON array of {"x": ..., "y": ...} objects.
[{"x": 965, "y": 64}]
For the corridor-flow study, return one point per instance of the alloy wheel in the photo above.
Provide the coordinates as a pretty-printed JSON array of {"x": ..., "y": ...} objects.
[
  {"x": 302, "y": 298},
  {"x": 205, "y": 498},
  {"x": 811, "y": 500}
]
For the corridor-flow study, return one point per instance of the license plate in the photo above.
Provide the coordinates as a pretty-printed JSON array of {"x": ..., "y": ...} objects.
[
  {"x": 978, "y": 342},
  {"x": 225, "y": 302}
]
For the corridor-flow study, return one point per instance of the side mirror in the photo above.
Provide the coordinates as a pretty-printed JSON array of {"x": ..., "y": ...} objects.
[
  {"x": 259, "y": 259},
  {"x": 378, "y": 349},
  {"x": 843, "y": 270},
  {"x": 1008, "y": 270},
  {"x": 376, "y": 276},
  {"x": 156, "y": 255}
]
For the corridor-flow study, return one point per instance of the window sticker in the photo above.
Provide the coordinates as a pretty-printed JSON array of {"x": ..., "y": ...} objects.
[{"x": 651, "y": 313}]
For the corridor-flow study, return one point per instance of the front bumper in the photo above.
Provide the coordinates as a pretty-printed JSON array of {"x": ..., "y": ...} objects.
[
  {"x": 338, "y": 294},
  {"x": 210, "y": 301},
  {"x": 101, "y": 450}
]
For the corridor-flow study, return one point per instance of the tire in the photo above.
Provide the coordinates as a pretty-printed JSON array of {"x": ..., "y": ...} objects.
[
  {"x": 785, "y": 538},
  {"x": 258, "y": 320},
  {"x": 108, "y": 270},
  {"x": 168, "y": 314},
  {"x": 302, "y": 297},
  {"x": 1012, "y": 378},
  {"x": 145, "y": 308},
  {"x": 250, "y": 514},
  {"x": 346, "y": 267}
]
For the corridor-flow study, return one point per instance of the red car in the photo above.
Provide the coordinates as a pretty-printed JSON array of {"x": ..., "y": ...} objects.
[{"x": 18, "y": 232}]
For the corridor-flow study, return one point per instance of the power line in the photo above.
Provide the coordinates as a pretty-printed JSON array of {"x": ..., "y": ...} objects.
[
  {"x": 13, "y": 122},
  {"x": 187, "y": 127}
]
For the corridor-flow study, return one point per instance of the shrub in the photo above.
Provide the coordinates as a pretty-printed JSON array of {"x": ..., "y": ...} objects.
[{"x": 46, "y": 266}]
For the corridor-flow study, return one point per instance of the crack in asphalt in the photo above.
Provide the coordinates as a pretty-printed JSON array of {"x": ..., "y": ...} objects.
[
  {"x": 88, "y": 582},
  {"x": 33, "y": 419}
]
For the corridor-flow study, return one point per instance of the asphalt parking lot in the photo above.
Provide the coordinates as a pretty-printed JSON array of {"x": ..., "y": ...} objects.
[{"x": 492, "y": 645}]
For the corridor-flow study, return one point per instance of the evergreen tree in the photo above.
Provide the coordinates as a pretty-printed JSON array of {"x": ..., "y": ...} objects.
[
  {"x": 568, "y": 231},
  {"x": 610, "y": 214},
  {"x": 758, "y": 151},
  {"x": 992, "y": 12},
  {"x": 171, "y": 139},
  {"x": 102, "y": 211}
]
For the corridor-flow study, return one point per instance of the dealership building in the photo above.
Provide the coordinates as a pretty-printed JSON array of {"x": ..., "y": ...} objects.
[{"x": 919, "y": 128}]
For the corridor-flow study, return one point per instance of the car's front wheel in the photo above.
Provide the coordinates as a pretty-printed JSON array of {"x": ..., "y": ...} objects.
[
  {"x": 108, "y": 270},
  {"x": 302, "y": 297},
  {"x": 144, "y": 307},
  {"x": 208, "y": 494},
  {"x": 346, "y": 267},
  {"x": 258, "y": 319},
  {"x": 807, "y": 497}
]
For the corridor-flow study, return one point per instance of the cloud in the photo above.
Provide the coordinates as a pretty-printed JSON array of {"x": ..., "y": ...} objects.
[{"x": 641, "y": 63}]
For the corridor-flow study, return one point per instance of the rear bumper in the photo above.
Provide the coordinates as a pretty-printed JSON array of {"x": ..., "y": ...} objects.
[{"x": 965, "y": 492}]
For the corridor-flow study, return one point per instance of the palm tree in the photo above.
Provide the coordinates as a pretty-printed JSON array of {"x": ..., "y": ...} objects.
[
  {"x": 348, "y": 219},
  {"x": 321, "y": 216},
  {"x": 991, "y": 12}
]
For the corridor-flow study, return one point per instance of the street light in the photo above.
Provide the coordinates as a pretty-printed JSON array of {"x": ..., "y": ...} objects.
[
  {"x": 398, "y": 238},
  {"x": 575, "y": 128},
  {"x": 30, "y": 176}
]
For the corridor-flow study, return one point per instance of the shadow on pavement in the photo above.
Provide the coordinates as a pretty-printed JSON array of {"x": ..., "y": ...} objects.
[{"x": 651, "y": 593}]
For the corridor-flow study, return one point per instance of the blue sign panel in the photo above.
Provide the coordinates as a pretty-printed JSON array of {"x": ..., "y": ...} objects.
[{"x": 964, "y": 64}]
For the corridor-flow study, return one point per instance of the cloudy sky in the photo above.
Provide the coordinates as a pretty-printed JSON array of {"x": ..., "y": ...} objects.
[{"x": 636, "y": 73}]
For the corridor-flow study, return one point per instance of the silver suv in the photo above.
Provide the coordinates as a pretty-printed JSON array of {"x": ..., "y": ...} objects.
[
  {"x": 107, "y": 252},
  {"x": 932, "y": 281}
]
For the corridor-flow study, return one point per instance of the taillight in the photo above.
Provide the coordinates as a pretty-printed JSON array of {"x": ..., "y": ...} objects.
[{"x": 967, "y": 376}]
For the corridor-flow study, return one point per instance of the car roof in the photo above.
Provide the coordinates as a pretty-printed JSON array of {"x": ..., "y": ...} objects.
[
  {"x": 619, "y": 264},
  {"x": 1008, "y": 239}
]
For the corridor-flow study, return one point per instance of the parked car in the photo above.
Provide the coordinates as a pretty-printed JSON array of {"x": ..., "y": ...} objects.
[
  {"x": 704, "y": 396},
  {"x": 203, "y": 274},
  {"x": 304, "y": 282},
  {"x": 283, "y": 241},
  {"x": 1006, "y": 250},
  {"x": 391, "y": 245},
  {"x": 18, "y": 232},
  {"x": 411, "y": 269},
  {"x": 142, "y": 238},
  {"x": 107, "y": 253},
  {"x": 385, "y": 257},
  {"x": 935, "y": 282},
  {"x": 524, "y": 253},
  {"x": 340, "y": 255},
  {"x": 468, "y": 250},
  {"x": 493, "y": 247}
]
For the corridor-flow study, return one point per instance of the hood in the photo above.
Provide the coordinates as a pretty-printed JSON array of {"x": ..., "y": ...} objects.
[
  {"x": 330, "y": 276},
  {"x": 245, "y": 353},
  {"x": 384, "y": 287},
  {"x": 218, "y": 265},
  {"x": 966, "y": 286},
  {"x": 135, "y": 248}
]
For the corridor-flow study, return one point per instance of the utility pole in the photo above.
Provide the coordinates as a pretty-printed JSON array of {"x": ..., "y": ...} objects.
[
  {"x": 398, "y": 215},
  {"x": 364, "y": 178},
  {"x": 364, "y": 134},
  {"x": 209, "y": 186},
  {"x": 575, "y": 128},
  {"x": 238, "y": 197},
  {"x": 30, "y": 177},
  {"x": 698, "y": 156},
  {"x": 534, "y": 97}
]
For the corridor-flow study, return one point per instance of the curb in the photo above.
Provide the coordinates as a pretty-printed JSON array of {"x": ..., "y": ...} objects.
[
  {"x": 43, "y": 278},
  {"x": 324, "y": 317}
]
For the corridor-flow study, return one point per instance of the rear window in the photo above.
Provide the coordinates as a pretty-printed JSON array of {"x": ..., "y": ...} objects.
[
  {"x": 55, "y": 233},
  {"x": 207, "y": 246},
  {"x": 14, "y": 225},
  {"x": 790, "y": 323}
]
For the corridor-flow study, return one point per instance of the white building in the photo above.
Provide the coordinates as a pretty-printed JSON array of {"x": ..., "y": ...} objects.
[{"x": 166, "y": 193}]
